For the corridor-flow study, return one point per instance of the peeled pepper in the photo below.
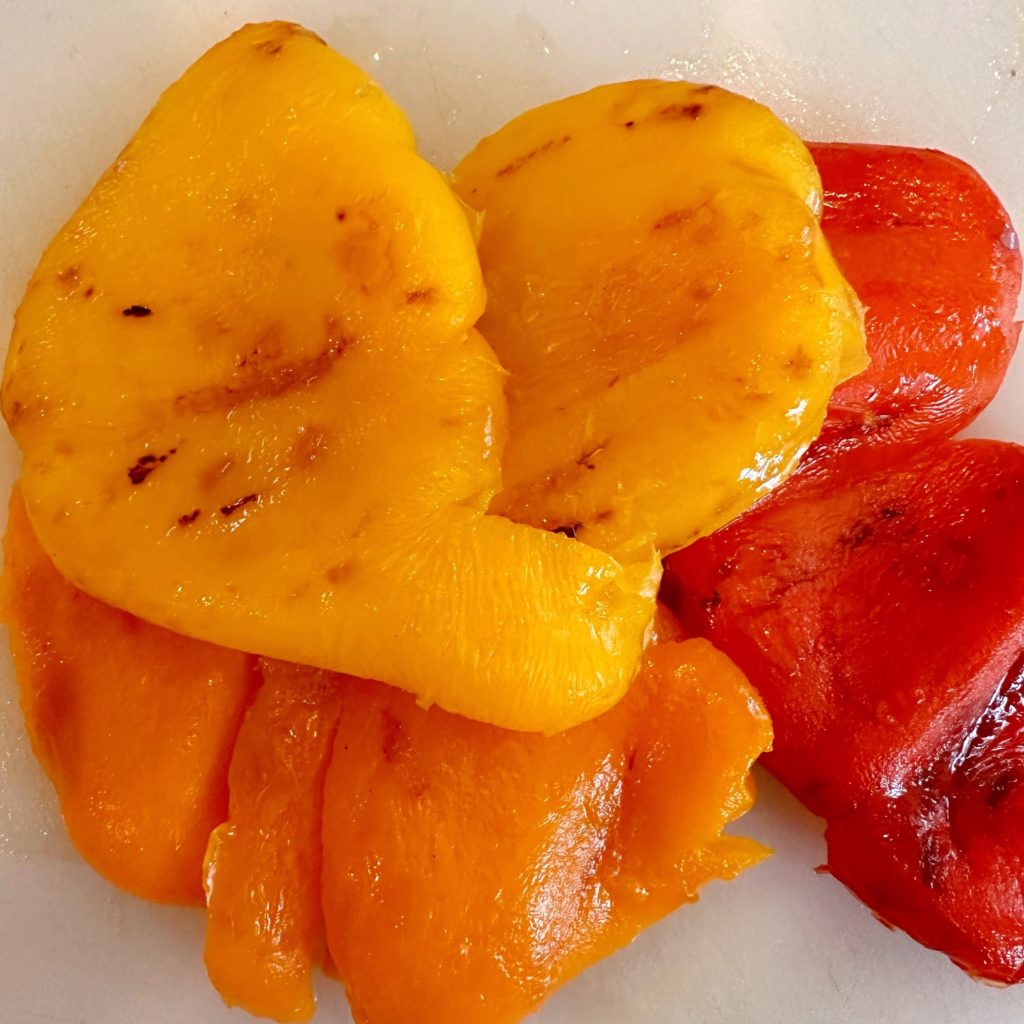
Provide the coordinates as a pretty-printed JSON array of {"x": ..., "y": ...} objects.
[
  {"x": 253, "y": 408},
  {"x": 264, "y": 930},
  {"x": 133, "y": 724},
  {"x": 670, "y": 315},
  {"x": 877, "y": 607}
]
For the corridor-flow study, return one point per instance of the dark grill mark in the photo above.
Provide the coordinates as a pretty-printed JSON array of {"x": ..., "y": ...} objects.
[
  {"x": 586, "y": 459},
  {"x": 229, "y": 510},
  {"x": 519, "y": 161},
  {"x": 678, "y": 111},
  {"x": 271, "y": 382},
  {"x": 673, "y": 219},
  {"x": 188, "y": 517},
  {"x": 137, "y": 311},
  {"x": 145, "y": 464}
]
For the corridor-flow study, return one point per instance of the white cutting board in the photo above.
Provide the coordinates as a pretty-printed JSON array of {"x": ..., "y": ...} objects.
[{"x": 782, "y": 944}]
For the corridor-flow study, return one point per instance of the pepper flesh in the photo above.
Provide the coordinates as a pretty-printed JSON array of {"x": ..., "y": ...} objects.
[
  {"x": 264, "y": 924},
  {"x": 876, "y": 606},
  {"x": 514, "y": 861},
  {"x": 133, "y": 724},
  {"x": 933, "y": 256},
  {"x": 261, "y": 318},
  {"x": 663, "y": 298}
]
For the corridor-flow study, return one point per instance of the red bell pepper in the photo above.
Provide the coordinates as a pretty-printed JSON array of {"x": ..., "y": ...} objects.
[{"x": 933, "y": 256}]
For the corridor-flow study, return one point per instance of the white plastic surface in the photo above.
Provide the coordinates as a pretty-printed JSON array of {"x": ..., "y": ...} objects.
[{"x": 782, "y": 944}]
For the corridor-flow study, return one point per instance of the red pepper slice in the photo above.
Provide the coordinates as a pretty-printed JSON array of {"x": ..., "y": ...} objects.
[
  {"x": 934, "y": 258},
  {"x": 878, "y": 609}
]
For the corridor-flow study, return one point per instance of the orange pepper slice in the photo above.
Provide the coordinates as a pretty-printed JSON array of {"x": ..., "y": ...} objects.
[
  {"x": 264, "y": 928},
  {"x": 133, "y": 724},
  {"x": 469, "y": 870}
]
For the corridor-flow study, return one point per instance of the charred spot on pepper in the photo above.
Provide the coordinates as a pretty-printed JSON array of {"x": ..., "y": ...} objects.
[
  {"x": 188, "y": 518},
  {"x": 146, "y": 463},
  {"x": 420, "y": 295},
  {"x": 511, "y": 168},
  {"x": 227, "y": 511},
  {"x": 671, "y": 219},
  {"x": 136, "y": 310},
  {"x": 629, "y": 124},
  {"x": 860, "y": 532},
  {"x": 339, "y": 573},
  {"x": 586, "y": 458},
  {"x": 681, "y": 111},
  {"x": 340, "y": 216},
  {"x": 266, "y": 350},
  {"x": 271, "y": 47},
  {"x": 89, "y": 292},
  {"x": 799, "y": 364},
  {"x": 263, "y": 381}
]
